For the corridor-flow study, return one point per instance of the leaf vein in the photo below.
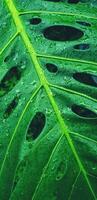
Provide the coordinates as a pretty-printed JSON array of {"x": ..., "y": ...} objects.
[{"x": 19, "y": 25}]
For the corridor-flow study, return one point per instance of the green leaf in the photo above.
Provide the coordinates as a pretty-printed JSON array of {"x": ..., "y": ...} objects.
[{"x": 48, "y": 100}]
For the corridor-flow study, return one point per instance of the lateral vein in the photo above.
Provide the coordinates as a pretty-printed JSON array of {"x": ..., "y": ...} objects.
[{"x": 32, "y": 53}]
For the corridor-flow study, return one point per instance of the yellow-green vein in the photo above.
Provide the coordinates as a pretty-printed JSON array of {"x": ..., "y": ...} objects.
[
  {"x": 72, "y": 92},
  {"x": 9, "y": 42},
  {"x": 73, "y": 186},
  {"x": 56, "y": 13},
  {"x": 84, "y": 137},
  {"x": 68, "y": 59},
  {"x": 20, "y": 28},
  {"x": 45, "y": 168},
  {"x": 17, "y": 126}
]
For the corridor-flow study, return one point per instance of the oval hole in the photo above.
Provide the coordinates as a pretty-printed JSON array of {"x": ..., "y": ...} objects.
[
  {"x": 82, "y": 47},
  {"x": 36, "y": 126},
  {"x": 86, "y": 78},
  {"x": 73, "y": 1},
  {"x": 53, "y": 0},
  {"x": 62, "y": 33},
  {"x": 84, "y": 1},
  {"x": 84, "y": 23},
  {"x": 7, "y": 58},
  {"x": 19, "y": 171},
  {"x": 83, "y": 112},
  {"x": 51, "y": 67},
  {"x": 11, "y": 107},
  {"x": 35, "y": 21},
  {"x": 10, "y": 80}
]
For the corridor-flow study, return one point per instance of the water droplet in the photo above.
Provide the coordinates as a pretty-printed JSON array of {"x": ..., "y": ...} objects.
[
  {"x": 23, "y": 66},
  {"x": 22, "y": 82},
  {"x": 48, "y": 111},
  {"x": 53, "y": 168},
  {"x": 16, "y": 57},
  {"x": 94, "y": 168},
  {"x": 17, "y": 91}
]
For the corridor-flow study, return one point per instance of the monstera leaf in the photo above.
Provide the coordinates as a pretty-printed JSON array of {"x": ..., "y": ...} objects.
[{"x": 48, "y": 100}]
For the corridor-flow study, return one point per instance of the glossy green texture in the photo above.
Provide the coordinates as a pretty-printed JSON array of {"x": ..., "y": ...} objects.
[{"x": 48, "y": 100}]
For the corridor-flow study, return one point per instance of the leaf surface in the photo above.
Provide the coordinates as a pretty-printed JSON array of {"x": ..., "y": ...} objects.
[{"x": 48, "y": 92}]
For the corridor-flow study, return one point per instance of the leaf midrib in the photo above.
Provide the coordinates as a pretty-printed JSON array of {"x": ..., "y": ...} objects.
[{"x": 20, "y": 28}]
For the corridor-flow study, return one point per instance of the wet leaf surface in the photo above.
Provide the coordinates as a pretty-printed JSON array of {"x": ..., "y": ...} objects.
[{"x": 48, "y": 100}]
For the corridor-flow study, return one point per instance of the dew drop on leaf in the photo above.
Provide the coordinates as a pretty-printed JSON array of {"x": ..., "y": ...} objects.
[
  {"x": 48, "y": 111},
  {"x": 17, "y": 90},
  {"x": 23, "y": 66}
]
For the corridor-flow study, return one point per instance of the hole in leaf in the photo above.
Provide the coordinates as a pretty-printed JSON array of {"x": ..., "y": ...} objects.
[
  {"x": 83, "y": 112},
  {"x": 10, "y": 80},
  {"x": 62, "y": 33},
  {"x": 73, "y": 1},
  {"x": 84, "y": 1},
  {"x": 36, "y": 126},
  {"x": 6, "y": 58},
  {"x": 35, "y": 21},
  {"x": 19, "y": 171},
  {"x": 61, "y": 171},
  {"x": 82, "y": 46},
  {"x": 53, "y": 0},
  {"x": 11, "y": 55},
  {"x": 86, "y": 78},
  {"x": 11, "y": 107},
  {"x": 51, "y": 67},
  {"x": 84, "y": 23}
]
